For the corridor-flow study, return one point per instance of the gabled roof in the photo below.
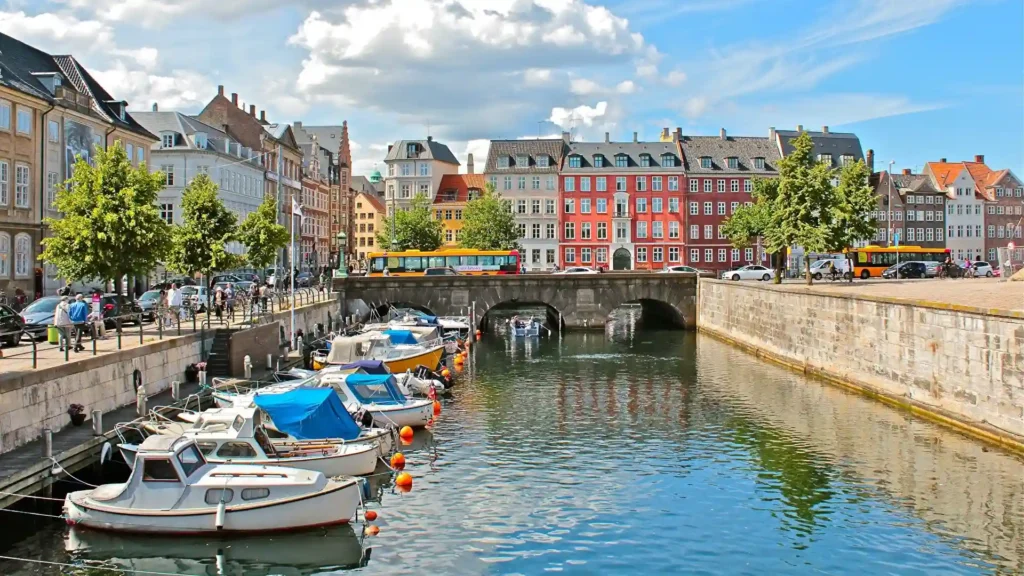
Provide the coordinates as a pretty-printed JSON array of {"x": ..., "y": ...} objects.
[
  {"x": 456, "y": 187},
  {"x": 916, "y": 183},
  {"x": 374, "y": 200},
  {"x": 744, "y": 148},
  {"x": 157, "y": 122},
  {"x": 880, "y": 182},
  {"x": 282, "y": 133},
  {"x": 101, "y": 99},
  {"x": 552, "y": 148},
  {"x": 429, "y": 149},
  {"x": 837, "y": 144},
  {"x": 945, "y": 173},
  {"x": 632, "y": 151},
  {"x": 363, "y": 184}
]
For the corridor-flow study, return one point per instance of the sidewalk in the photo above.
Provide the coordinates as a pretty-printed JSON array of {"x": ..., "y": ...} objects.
[{"x": 992, "y": 293}]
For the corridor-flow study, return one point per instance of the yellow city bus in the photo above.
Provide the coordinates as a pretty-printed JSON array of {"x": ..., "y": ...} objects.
[
  {"x": 872, "y": 260},
  {"x": 463, "y": 261}
]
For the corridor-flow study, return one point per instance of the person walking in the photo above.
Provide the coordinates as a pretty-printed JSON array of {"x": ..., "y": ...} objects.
[
  {"x": 173, "y": 303},
  {"x": 218, "y": 303},
  {"x": 229, "y": 299},
  {"x": 62, "y": 321},
  {"x": 78, "y": 313}
]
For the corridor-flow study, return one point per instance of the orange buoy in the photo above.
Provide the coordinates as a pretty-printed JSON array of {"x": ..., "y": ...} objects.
[
  {"x": 404, "y": 489},
  {"x": 445, "y": 372},
  {"x": 405, "y": 433},
  {"x": 405, "y": 442},
  {"x": 437, "y": 408},
  {"x": 398, "y": 460},
  {"x": 370, "y": 515},
  {"x": 372, "y": 530},
  {"x": 404, "y": 480}
]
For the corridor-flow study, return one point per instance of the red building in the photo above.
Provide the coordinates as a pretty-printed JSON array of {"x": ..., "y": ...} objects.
[
  {"x": 622, "y": 204},
  {"x": 719, "y": 178}
]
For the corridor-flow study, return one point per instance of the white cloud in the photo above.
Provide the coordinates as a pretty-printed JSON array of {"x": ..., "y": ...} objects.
[
  {"x": 173, "y": 90},
  {"x": 584, "y": 87},
  {"x": 695, "y": 106},
  {"x": 675, "y": 78},
  {"x": 536, "y": 76},
  {"x": 568, "y": 118},
  {"x": 626, "y": 87},
  {"x": 161, "y": 13},
  {"x": 478, "y": 148},
  {"x": 60, "y": 33}
]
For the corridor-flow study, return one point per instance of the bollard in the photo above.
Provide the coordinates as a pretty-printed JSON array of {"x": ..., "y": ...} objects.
[
  {"x": 140, "y": 401},
  {"x": 175, "y": 390},
  {"x": 47, "y": 443},
  {"x": 278, "y": 369},
  {"x": 97, "y": 423},
  {"x": 248, "y": 367},
  {"x": 202, "y": 378},
  {"x": 270, "y": 361}
]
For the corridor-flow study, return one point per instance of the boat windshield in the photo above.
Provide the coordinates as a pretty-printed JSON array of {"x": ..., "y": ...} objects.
[
  {"x": 374, "y": 389},
  {"x": 191, "y": 459}
]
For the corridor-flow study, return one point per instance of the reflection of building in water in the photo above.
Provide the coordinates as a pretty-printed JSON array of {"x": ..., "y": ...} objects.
[{"x": 960, "y": 488}]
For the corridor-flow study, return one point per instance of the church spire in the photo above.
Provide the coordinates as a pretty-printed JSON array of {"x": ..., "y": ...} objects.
[{"x": 344, "y": 152}]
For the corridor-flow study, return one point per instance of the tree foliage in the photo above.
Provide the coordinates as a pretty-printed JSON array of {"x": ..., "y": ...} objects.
[
  {"x": 852, "y": 204},
  {"x": 262, "y": 235},
  {"x": 415, "y": 228},
  {"x": 199, "y": 245},
  {"x": 488, "y": 224},
  {"x": 109, "y": 224},
  {"x": 748, "y": 224}
]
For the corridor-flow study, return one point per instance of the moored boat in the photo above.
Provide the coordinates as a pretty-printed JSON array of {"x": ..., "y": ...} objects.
[
  {"x": 398, "y": 349},
  {"x": 379, "y": 395}
]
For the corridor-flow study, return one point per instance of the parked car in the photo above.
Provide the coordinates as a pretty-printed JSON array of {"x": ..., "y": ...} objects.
[
  {"x": 578, "y": 270},
  {"x": 148, "y": 304},
  {"x": 931, "y": 269},
  {"x": 38, "y": 315},
  {"x": 819, "y": 268},
  {"x": 249, "y": 277},
  {"x": 907, "y": 270},
  {"x": 749, "y": 272},
  {"x": 983, "y": 269},
  {"x": 304, "y": 280},
  {"x": 683, "y": 269},
  {"x": 219, "y": 278},
  {"x": 197, "y": 295},
  {"x": 442, "y": 271},
  {"x": 11, "y": 326},
  {"x": 114, "y": 305}
]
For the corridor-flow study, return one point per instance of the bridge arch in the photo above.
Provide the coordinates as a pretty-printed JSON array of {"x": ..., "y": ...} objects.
[{"x": 496, "y": 312}]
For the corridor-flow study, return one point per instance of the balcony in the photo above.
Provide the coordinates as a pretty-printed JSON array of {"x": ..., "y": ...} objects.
[
  {"x": 621, "y": 213},
  {"x": 72, "y": 99}
]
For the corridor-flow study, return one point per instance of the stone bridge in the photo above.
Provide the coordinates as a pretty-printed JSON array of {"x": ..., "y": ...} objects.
[{"x": 581, "y": 300}]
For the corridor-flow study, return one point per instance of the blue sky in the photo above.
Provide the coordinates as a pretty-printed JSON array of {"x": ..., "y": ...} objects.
[{"x": 916, "y": 80}]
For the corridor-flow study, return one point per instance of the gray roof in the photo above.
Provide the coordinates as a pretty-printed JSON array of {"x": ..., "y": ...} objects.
[
  {"x": 327, "y": 136},
  {"x": 429, "y": 149},
  {"x": 835, "y": 143},
  {"x": 363, "y": 184},
  {"x": 184, "y": 126},
  {"x": 552, "y": 148},
  {"x": 917, "y": 183},
  {"x": 743, "y": 148},
  {"x": 631, "y": 150}
]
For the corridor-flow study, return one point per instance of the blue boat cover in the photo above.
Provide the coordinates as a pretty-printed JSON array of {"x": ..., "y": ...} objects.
[
  {"x": 368, "y": 366},
  {"x": 375, "y": 388},
  {"x": 401, "y": 336},
  {"x": 309, "y": 414}
]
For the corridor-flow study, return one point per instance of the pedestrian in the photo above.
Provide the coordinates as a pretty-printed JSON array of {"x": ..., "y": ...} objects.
[
  {"x": 263, "y": 299},
  {"x": 229, "y": 296},
  {"x": 78, "y": 313},
  {"x": 254, "y": 299},
  {"x": 218, "y": 302},
  {"x": 62, "y": 321},
  {"x": 174, "y": 297}
]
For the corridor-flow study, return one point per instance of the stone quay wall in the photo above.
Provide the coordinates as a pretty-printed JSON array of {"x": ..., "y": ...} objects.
[{"x": 956, "y": 364}]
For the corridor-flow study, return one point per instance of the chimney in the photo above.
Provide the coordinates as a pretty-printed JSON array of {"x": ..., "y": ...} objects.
[
  {"x": 607, "y": 138},
  {"x": 390, "y": 146},
  {"x": 721, "y": 133},
  {"x": 635, "y": 140},
  {"x": 566, "y": 137},
  {"x": 678, "y": 136},
  {"x": 469, "y": 163},
  {"x": 234, "y": 98},
  {"x": 771, "y": 134},
  {"x": 870, "y": 160},
  {"x": 155, "y": 107},
  {"x": 220, "y": 90},
  {"x": 906, "y": 171},
  {"x": 824, "y": 129},
  {"x": 665, "y": 132},
  {"x": 252, "y": 110},
  {"x": 979, "y": 158},
  {"x": 799, "y": 127},
  {"x": 263, "y": 116},
  {"x": 942, "y": 160},
  {"x": 430, "y": 138},
  {"x": 297, "y": 125}
]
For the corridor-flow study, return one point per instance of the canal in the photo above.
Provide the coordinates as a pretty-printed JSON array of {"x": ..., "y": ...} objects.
[{"x": 635, "y": 451}]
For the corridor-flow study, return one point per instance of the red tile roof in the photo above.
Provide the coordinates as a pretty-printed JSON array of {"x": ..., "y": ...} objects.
[
  {"x": 374, "y": 200},
  {"x": 946, "y": 172},
  {"x": 456, "y": 187}
]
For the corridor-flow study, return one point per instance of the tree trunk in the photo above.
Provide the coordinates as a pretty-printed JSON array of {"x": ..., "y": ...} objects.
[
  {"x": 780, "y": 267},
  {"x": 807, "y": 267},
  {"x": 849, "y": 265}
]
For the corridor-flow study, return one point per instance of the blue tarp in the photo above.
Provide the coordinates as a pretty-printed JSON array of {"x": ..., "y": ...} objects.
[
  {"x": 368, "y": 366},
  {"x": 309, "y": 414},
  {"x": 401, "y": 336},
  {"x": 375, "y": 388}
]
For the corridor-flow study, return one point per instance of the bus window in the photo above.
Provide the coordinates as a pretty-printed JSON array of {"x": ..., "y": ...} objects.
[
  {"x": 862, "y": 257},
  {"x": 453, "y": 261},
  {"x": 394, "y": 263},
  {"x": 469, "y": 261},
  {"x": 378, "y": 264},
  {"x": 436, "y": 262},
  {"x": 487, "y": 260}
]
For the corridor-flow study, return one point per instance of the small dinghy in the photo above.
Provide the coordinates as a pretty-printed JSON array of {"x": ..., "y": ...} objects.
[
  {"x": 520, "y": 328},
  {"x": 174, "y": 490}
]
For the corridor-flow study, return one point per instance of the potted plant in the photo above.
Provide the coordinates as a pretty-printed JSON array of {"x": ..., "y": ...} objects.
[{"x": 77, "y": 413}]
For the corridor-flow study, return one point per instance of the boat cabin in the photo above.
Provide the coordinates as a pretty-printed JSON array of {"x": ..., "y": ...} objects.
[{"x": 362, "y": 389}]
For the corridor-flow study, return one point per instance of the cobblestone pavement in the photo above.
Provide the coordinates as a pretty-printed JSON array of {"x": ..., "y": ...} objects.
[{"x": 980, "y": 292}]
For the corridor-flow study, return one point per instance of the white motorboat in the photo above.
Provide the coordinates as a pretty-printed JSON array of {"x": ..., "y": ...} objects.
[
  {"x": 174, "y": 490},
  {"x": 379, "y": 395},
  {"x": 313, "y": 411},
  {"x": 226, "y": 391},
  {"x": 398, "y": 349},
  {"x": 412, "y": 385},
  {"x": 520, "y": 328}
]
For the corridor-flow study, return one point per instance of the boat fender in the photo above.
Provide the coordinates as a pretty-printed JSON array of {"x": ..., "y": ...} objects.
[
  {"x": 221, "y": 512},
  {"x": 105, "y": 452}
]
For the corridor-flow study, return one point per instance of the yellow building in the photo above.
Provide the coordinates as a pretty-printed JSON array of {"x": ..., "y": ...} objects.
[
  {"x": 368, "y": 213},
  {"x": 452, "y": 195}
]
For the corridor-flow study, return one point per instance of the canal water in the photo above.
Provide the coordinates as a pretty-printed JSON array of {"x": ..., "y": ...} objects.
[{"x": 635, "y": 451}]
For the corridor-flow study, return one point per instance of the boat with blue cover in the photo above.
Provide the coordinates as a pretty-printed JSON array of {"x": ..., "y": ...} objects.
[{"x": 379, "y": 395}]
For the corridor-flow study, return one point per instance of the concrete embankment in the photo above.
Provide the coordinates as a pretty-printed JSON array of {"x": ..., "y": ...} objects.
[{"x": 958, "y": 365}]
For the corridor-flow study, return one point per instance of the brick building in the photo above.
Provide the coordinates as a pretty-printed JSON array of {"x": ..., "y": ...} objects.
[
  {"x": 1003, "y": 213},
  {"x": 917, "y": 210},
  {"x": 338, "y": 173}
]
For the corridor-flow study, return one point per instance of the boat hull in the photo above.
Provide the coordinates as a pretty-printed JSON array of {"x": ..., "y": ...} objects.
[
  {"x": 431, "y": 359},
  {"x": 335, "y": 504},
  {"x": 415, "y": 413}
]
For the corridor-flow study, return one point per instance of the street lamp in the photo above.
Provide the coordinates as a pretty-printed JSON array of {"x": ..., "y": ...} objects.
[{"x": 342, "y": 270}]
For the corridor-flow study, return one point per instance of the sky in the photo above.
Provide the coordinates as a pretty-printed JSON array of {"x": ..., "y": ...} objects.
[{"x": 916, "y": 80}]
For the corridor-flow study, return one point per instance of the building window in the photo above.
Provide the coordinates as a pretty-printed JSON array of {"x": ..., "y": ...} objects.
[
  {"x": 448, "y": 214},
  {"x": 707, "y": 185},
  {"x": 694, "y": 255},
  {"x": 24, "y": 123},
  {"x": 694, "y": 232},
  {"x": 21, "y": 184},
  {"x": 601, "y": 184},
  {"x": 53, "y": 133},
  {"x": 705, "y": 162},
  {"x": 535, "y": 207},
  {"x": 645, "y": 161},
  {"x": 575, "y": 161},
  {"x": 584, "y": 255},
  {"x": 424, "y": 169},
  {"x": 641, "y": 205},
  {"x": 693, "y": 185},
  {"x": 570, "y": 230},
  {"x": 641, "y": 183},
  {"x": 641, "y": 254},
  {"x": 437, "y": 215},
  {"x": 5, "y": 115},
  {"x": 673, "y": 205},
  {"x": 167, "y": 141},
  {"x": 748, "y": 254},
  {"x": 140, "y": 155},
  {"x": 620, "y": 184},
  {"x": 673, "y": 254},
  {"x": 5, "y": 180},
  {"x": 759, "y": 163},
  {"x": 584, "y": 184},
  {"x": 673, "y": 183},
  {"x": 657, "y": 229},
  {"x": 656, "y": 205},
  {"x": 641, "y": 229},
  {"x": 735, "y": 254},
  {"x": 551, "y": 183},
  {"x": 570, "y": 206},
  {"x": 721, "y": 208},
  {"x": 598, "y": 161},
  {"x": 51, "y": 189},
  {"x": 709, "y": 231},
  {"x": 584, "y": 205},
  {"x": 694, "y": 208},
  {"x": 602, "y": 205},
  {"x": 656, "y": 183},
  {"x": 570, "y": 184},
  {"x": 535, "y": 231},
  {"x": 549, "y": 206},
  {"x": 602, "y": 255},
  {"x": 448, "y": 235},
  {"x": 520, "y": 206},
  {"x": 733, "y": 162},
  {"x": 709, "y": 254},
  {"x": 621, "y": 161},
  {"x": 168, "y": 171},
  {"x": 658, "y": 254},
  {"x": 550, "y": 254},
  {"x": 708, "y": 208},
  {"x": 22, "y": 255},
  {"x": 825, "y": 159},
  {"x": 602, "y": 230},
  {"x": 570, "y": 255},
  {"x": 542, "y": 161},
  {"x": 673, "y": 229},
  {"x": 521, "y": 183},
  {"x": 721, "y": 185},
  {"x": 522, "y": 230},
  {"x": 549, "y": 231}
]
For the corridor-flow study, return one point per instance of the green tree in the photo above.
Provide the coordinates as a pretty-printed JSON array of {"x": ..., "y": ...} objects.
[
  {"x": 415, "y": 228},
  {"x": 262, "y": 235},
  {"x": 109, "y": 225},
  {"x": 853, "y": 202},
  {"x": 488, "y": 224},
  {"x": 750, "y": 223},
  {"x": 199, "y": 245}
]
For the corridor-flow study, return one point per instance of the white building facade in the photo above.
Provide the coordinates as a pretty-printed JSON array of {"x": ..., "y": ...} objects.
[
  {"x": 415, "y": 167},
  {"x": 965, "y": 214}
]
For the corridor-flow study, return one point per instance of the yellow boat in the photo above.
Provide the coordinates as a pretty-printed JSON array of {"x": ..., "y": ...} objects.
[{"x": 399, "y": 351}]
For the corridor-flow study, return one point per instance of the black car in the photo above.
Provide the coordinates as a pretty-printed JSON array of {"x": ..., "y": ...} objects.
[
  {"x": 39, "y": 315},
  {"x": 114, "y": 305},
  {"x": 11, "y": 326},
  {"x": 304, "y": 280},
  {"x": 907, "y": 270}
]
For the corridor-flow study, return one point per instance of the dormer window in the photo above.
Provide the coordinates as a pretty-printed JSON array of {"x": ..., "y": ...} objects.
[
  {"x": 759, "y": 163},
  {"x": 542, "y": 161},
  {"x": 474, "y": 193},
  {"x": 645, "y": 160},
  {"x": 503, "y": 161},
  {"x": 621, "y": 161},
  {"x": 200, "y": 138},
  {"x": 598, "y": 161},
  {"x": 825, "y": 159},
  {"x": 668, "y": 160},
  {"x": 411, "y": 150},
  {"x": 522, "y": 161},
  {"x": 167, "y": 140},
  {"x": 846, "y": 159},
  {"x": 705, "y": 161},
  {"x": 575, "y": 161},
  {"x": 732, "y": 162}
]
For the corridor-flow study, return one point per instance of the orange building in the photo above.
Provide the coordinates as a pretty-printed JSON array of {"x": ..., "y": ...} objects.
[{"x": 454, "y": 191}]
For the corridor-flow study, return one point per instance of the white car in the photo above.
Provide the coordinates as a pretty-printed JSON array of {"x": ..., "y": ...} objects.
[
  {"x": 983, "y": 269},
  {"x": 685, "y": 269},
  {"x": 578, "y": 270},
  {"x": 749, "y": 272}
]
